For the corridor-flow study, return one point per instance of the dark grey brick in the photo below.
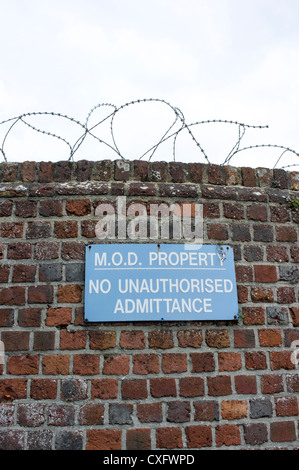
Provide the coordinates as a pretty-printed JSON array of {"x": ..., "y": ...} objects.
[
  {"x": 69, "y": 440},
  {"x": 120, "y": 414},
  {"x": 277, "y": 315},
  {"x": 260, "y": 408},
  {"x": 289, "y": 273},
  {"x": 75, "y": 272},
  {"x": 50, "y": 272}
]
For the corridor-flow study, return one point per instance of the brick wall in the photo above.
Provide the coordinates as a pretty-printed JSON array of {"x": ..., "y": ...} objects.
[{"x": 174, "y": 385}]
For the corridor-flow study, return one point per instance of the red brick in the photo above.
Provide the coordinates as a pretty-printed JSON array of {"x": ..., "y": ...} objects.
[
  {"x": 191, "y": 386},
  {"x": 23, "y": 364},
  {"x": 233, "y": 211},
  {"x": 149, "y": 412},
  {"x": 234, "y": 409},
  {"x": 43, "y": 389},
  {"x": 72, "y": 340},
  {"x": 46, "y": 172},
  {"x": 51, "y": 208},
  {"x": 286, "y": 234},
  {"x": 255, "y": 360},
  {"x": 281, "y": 360},
  {"x": 12, "y": 230},
  {"x": 56, "y": 364},
  {"x": 244, "y": 339},
  {"x": 134, "y": 389},
  {"x": 144, "y": 364},
  {"x": 44, "y": 340},
  {"x": 199, "y": 436},
  {"x": 138, "y": 439},
  {"x": 29, "y": 317},
  {"x": 261, "y": 294},
  {"x": 265, "y": 273},
  {"x": 219, "y": 385},
  {"x": 174, "y": 363},
  {"x": 6, "y": 317},
  {"x": 206, "y": 411},
  {"x": 116, "y": 365},
  {"x": 279, "y": 214},
  {"x": 105, "y": 389},
  {"x": 270, "y": 337},
  {"x": 245, "y": 384},
  {"x": 295, "y": 315},
  {"x": 69, "y": 294},
  {"x": 102, "y": 439},
  {"x": 244, "y": 273},
  {"x": 253, "y": 315},
  {"x": 257, "y": 212},
  {"x": 24, "y": 273},
  {"x": 132, "y": 340},
  {"x": 13, "y": 389},
  {"x": 163, "y": 387},
  {"x": 228, "y": 435},
  {"x": 217, "y": 232},
  {"x": 214, "y": 173},
  {"x": 160, "y": 339},
  {"x": 190, "y": 338},
  {"x": 15, "y": 340},
  {"x": 211, "y": 210},
  {"x": 202, "y": 362},
  {"x": 217, "y": 339},
  {"x": 77, "y": 207},
  {"x": 73, "y": 250},
  {"x": 277, "y": 254},
  {"x": 12, "y": 296},
  {"x": 66, "y": 229},
  {"x": 102, "y": 340},
  {"x": 282, "y": 431},
  {"x": 229, "y": 361},
  {"x": 4, "y": 273},
  {"x": 286, "y": 295},
  {"x": 28, "y": 171},
  {"x": 86, "y": 364},
  {"x": 286, "y": 406},
  {"x": 271, "y": 383},
  {"x": 169, "y": 438},
  {"x": 19, "y": 250},
  {"x": 40, "y": 295},
  {"x": 26, "y": 209},
  {"x": 61, "y": 316}
]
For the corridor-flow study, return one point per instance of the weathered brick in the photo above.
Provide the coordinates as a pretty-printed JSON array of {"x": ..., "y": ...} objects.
[
  {"x": 105, "y": 389},
  {"x": 138, "y": 439},
  {"x": 102, "y": 439},
  {"x": 233, "y": 409},
  {"x": 169, "y": 438},
  {"x": 116, "y": 365},
  {"x": 228, "y": 435},
  {"x": 219, "y": 385},
  {"x": 174, "y": 363},
  {"x": 199, "y": 436},
  {"x": 149, "y": 412}
]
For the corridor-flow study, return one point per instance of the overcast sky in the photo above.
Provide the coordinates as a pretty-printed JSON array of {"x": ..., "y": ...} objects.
[{"x": 213, "y": 59}]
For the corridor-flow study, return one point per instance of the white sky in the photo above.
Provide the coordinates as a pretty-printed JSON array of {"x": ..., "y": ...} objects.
[{"x": 213, "y": 59}]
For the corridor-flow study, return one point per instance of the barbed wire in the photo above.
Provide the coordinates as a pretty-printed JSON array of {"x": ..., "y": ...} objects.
[{"x": 179, "y": 119}]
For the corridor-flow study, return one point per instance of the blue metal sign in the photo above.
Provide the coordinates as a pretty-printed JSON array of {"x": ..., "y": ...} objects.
[{"x": 150, "y": 282}]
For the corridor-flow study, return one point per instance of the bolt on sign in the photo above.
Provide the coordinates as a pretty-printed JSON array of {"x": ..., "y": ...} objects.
[{"x": 167, "y": 282}]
